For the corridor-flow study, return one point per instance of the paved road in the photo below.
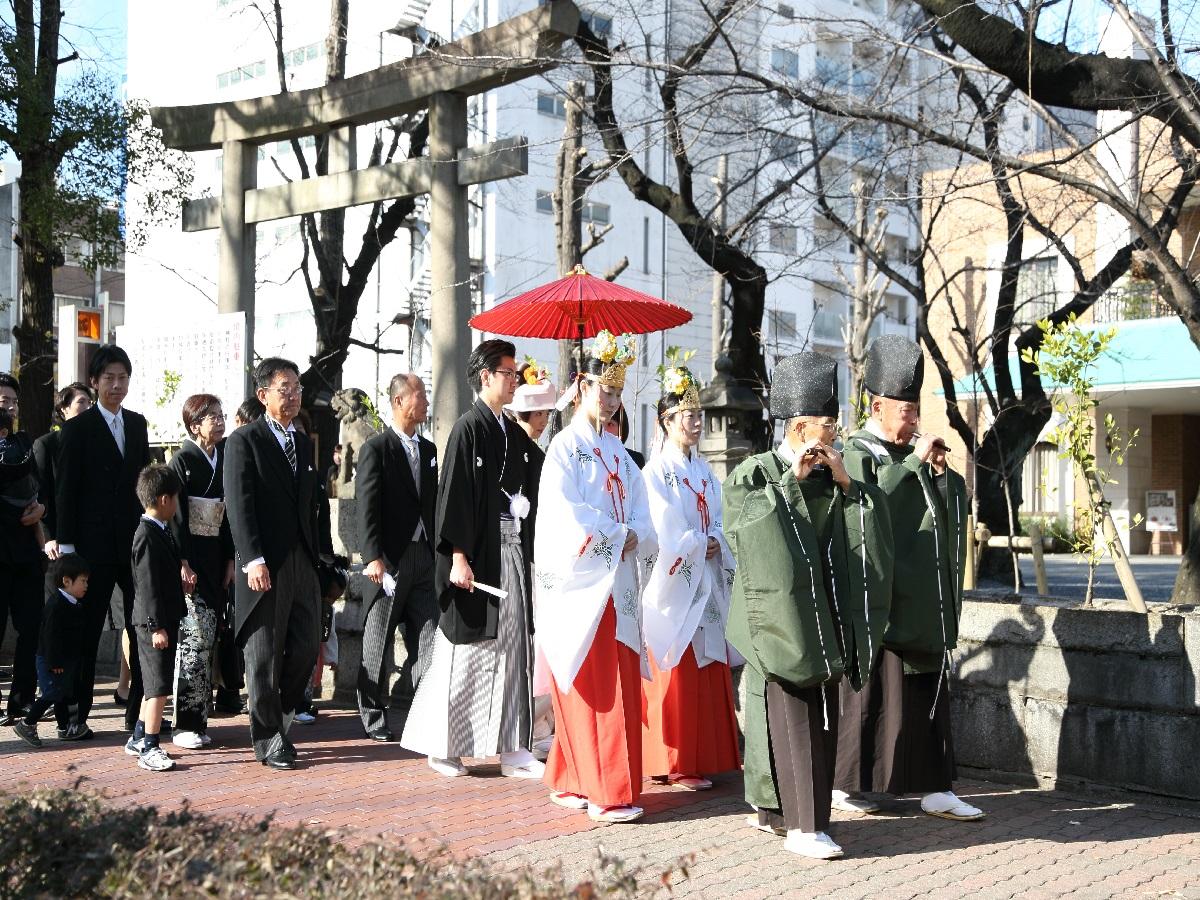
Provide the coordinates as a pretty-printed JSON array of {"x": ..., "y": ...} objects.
[
  {"x": 1033, "y": 844},
  {"x": 1066, "y": 577}
]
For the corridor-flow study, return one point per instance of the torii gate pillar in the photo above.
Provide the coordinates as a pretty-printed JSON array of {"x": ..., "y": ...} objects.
[
  {"x": 235, "y": 278},
  {"x": 450, "y": 271}
]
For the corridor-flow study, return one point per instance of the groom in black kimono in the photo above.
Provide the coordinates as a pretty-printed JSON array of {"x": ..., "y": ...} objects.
[{"x": 476, "y": 699}]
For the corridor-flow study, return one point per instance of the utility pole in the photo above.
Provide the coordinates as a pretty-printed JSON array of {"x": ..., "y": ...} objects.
[{"x": 718, "y": 289}]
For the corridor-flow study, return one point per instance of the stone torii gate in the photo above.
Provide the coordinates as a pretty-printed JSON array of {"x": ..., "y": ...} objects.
[{"x": 441, "y": 80}]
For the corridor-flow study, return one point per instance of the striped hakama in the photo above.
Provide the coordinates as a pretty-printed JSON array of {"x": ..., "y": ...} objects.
[{"x": 476, "y": 700}]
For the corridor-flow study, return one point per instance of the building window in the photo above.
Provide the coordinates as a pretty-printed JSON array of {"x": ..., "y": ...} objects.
[
  {"x": 786, "y": 11},
  {"x": 601, "y": 25},
  {"x": 545, "y": 202},
  {"x": 1037, "y": 290},
  {"x": 785, "y": 62},
  {"x": 781, "y": 238},
  {"x": 785, "y": 148},
  {"x": 783, "y": 328},
  {"x": 551, "y": 105},
  {"x": 308, "y": 142},
  {"x": 248, "y": 72},
  {"x": 596, "y": 213}
]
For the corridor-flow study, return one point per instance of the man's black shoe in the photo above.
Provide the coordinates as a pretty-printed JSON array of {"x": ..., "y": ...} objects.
[
  {"x": 279, "y": 760},
  {"x": 383, "y": 734},
  {"x": 120, "y": 701}
]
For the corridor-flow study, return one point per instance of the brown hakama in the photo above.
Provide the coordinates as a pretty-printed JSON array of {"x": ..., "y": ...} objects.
[
  {"x": 803, "y": 732},
  {"x": 887, "y": 741}
]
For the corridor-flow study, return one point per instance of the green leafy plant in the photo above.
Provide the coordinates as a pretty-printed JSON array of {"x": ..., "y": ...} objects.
[
  {"x": 1066, "y": 357},
  {"x": 170, "y": 387}
]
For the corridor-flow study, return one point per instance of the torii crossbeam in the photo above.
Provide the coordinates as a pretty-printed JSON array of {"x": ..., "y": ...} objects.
[{"x": 441, "y": 80}]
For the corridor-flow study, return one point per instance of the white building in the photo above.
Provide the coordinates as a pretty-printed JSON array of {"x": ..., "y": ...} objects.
[{"x": 172, "y": 279}]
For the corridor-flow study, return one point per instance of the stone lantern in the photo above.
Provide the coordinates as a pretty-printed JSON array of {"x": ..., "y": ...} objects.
[{"x": 732, "y": 415}]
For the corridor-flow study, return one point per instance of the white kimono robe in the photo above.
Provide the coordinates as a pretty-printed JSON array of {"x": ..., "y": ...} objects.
[
  {"x": 591, "y": 496},
  {"x": 686, "y": 598}
]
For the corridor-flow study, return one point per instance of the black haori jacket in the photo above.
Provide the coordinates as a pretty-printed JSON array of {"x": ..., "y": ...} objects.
[{"x": 476, "y": 472}]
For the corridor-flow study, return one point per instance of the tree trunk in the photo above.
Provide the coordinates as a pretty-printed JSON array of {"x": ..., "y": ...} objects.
[
  {"x": 998, "y": 460},
  {"x": 748, "y": 292},
  {"x": 568, "y": 196},
  {"x": 34, "y": 335},
  {"x": 1187, "y": 581}
]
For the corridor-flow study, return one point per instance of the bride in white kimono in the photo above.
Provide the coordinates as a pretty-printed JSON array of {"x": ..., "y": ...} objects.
[
  {"x": 592, "y": 523},
  {"x": 689, "y": 722}
]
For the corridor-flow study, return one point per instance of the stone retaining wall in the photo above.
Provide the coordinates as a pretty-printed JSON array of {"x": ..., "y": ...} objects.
[{"x": 1101, "y": 696}]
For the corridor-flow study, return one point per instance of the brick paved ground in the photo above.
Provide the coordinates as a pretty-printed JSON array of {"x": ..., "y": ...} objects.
[{"x": 1034, "y": 844}]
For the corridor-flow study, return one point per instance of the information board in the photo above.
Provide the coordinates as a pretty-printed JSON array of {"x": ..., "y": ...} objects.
[
  {"x": 1160, "y": 511},
  {"x": 170, "y": 363}
]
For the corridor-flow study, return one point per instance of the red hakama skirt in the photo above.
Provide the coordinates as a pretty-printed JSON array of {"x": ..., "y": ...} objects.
[
  {"x": 689, "y": 726},
  {"x": 597, "y": 749}
]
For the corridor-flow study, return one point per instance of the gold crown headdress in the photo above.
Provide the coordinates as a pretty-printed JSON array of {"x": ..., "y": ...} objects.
[
  {"x": 680, "y": 380},
  {"x": 617, "y": 353}
]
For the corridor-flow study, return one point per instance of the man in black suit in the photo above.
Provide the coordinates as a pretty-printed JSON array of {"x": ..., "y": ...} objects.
[
  {"x": 97, "y": 509},
  {"x": 20, "y": 565},
  {"x": 396, "y": 488},
  {"x": 271, "y": 499}
]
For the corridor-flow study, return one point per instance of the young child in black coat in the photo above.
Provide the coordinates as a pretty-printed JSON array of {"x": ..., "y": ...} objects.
[
  {"x": 158, "y": 607},
  {"x": 60, "y": 645}
]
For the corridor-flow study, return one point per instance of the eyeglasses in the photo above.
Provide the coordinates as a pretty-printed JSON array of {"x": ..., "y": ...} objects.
[
  {"x": 215, "y": 417},
  {"x": 287, "y": 392},
  {"x": 510, "y": 374}
]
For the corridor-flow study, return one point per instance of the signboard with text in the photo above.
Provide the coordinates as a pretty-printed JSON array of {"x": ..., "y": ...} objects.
[{"x": 170, "y": 363}]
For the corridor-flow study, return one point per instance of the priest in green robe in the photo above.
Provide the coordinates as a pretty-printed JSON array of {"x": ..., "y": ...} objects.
[
  {"x": 895, "y": 733},
  {"x": 809, "y": 604}
]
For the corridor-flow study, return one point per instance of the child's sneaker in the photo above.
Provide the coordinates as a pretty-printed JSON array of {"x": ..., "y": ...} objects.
[
  {"x": 75, "y": 733},
  {"x": 27, "y": 733},
  {"x": 133, "y": 747},
  {"x": 155, "y": 759}
]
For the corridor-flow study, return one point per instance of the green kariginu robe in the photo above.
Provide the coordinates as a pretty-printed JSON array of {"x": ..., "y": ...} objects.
[
  {"x": 929, "y": 520},
  {"x": 810, "y": 602}
]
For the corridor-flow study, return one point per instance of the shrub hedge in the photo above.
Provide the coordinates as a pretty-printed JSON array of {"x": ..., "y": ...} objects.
[{"x": 67, "y": 844}]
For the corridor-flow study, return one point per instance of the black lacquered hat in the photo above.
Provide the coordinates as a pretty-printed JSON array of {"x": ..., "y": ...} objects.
[
  {"x": 895, "y": 368},
  {"x": 804, "y": 384}
]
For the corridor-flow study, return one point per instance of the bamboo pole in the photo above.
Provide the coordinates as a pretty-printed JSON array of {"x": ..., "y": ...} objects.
[
  {"x": 1039, "y": 559},
  {"x": 969, "y": 568}
]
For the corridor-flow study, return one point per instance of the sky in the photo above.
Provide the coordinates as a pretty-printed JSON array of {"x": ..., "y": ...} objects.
[{"x": 95, "y": 29}]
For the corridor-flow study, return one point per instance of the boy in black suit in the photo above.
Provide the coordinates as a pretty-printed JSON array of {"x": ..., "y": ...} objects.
[
  {"x": 158, "y": 606},
  {"x": 60, "y": 645}
]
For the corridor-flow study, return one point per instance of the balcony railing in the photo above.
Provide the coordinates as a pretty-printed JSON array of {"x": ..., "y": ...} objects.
[{"x": 1130, "y": 302}]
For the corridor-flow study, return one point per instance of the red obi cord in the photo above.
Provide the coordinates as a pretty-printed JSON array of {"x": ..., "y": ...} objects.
[
  {"x": 614, "y": 485},
  {"x": 701, "y": 504}
]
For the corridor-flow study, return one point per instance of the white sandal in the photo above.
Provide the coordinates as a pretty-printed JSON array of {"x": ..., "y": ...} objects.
[{"x": 614, "y": 814}]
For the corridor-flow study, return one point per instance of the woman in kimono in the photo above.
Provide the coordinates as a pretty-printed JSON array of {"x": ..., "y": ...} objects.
[
  {"x": 689, "y": 727},
  {"x": 202, "y": 532},
  {"x": 592, "y": 524}
]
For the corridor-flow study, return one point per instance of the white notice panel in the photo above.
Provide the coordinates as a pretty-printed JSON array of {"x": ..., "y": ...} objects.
[
  {"x": 1160, "y": 511},
  {"x": 203, "y": 356}
]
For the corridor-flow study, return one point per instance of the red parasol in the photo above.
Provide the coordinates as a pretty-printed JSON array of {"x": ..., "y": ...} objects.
[{"x": 577, "y": 307}]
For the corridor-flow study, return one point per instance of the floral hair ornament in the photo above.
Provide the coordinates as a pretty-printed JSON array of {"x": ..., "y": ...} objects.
[
  {"x": 617, "y": 354},
  {"x": 535, "y": 373},
  {"x": 679, "y": 380}
]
